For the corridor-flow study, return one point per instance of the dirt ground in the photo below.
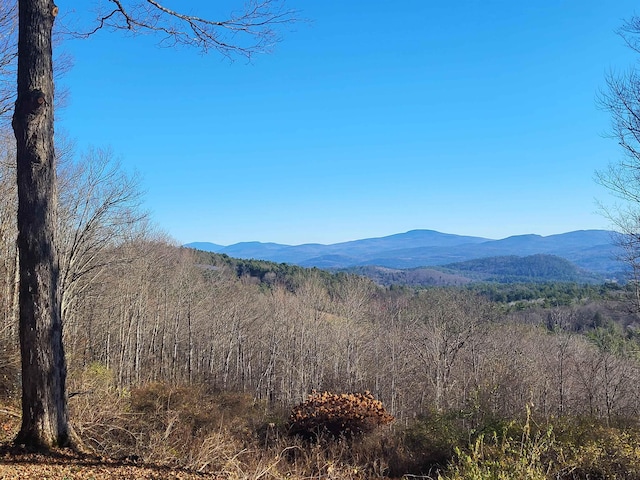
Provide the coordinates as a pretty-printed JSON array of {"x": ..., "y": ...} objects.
[{"x": 19, "y": 464}]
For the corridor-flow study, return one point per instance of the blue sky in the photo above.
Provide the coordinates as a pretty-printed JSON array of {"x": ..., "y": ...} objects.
[{"x": 372, "y": 118}]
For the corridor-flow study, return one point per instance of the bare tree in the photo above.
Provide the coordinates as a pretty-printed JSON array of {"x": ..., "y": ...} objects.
[
  {"x": 9, "y": 60},
  {"x": 44, "y": 402},
  {"x": 621, "y": 98},
  {"x": 8, "y": 254},
  {"x": 445, "y": 324},
  {"x": 99, "y": 208},
  {"x": 8, "y": 57}
]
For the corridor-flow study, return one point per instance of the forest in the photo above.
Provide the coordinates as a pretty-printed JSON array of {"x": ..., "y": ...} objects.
[{"x": 216, "y": 352}]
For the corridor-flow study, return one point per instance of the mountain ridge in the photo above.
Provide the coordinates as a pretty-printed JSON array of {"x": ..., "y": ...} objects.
[{"x": 590, "y": 250}]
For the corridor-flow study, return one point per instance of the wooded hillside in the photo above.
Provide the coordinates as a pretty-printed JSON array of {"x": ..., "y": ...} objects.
[{"x": 139, "y": 312}]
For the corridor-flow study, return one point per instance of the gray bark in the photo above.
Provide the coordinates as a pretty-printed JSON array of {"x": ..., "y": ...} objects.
[{"x": 44, "y": 403}]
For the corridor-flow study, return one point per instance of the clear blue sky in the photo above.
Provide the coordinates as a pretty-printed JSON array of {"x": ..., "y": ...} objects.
[{"x": 373, "y": 118}]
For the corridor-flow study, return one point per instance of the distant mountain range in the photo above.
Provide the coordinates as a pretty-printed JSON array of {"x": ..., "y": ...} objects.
[
  {"x": 509, "y": 269},
  {"x": 591, "y": 251}
]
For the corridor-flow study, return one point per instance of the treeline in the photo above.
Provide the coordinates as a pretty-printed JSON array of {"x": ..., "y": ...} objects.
[
  {"x": 262, "y": 272},
  {"x": 549, "y": 294},
  {"x": 517, "y": 295},
  {"x": 412, "y": 277}
]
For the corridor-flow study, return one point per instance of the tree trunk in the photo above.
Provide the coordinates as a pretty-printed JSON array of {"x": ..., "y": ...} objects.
[{"x": 44, "y": 403}]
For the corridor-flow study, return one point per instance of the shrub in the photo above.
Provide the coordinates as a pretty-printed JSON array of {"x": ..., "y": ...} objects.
[
  {"x": 338, "y": 415},
  {"x": 591, "y": 449},
  {"x": 504, "y": 457},
  {"x": 427, "y": 443}
]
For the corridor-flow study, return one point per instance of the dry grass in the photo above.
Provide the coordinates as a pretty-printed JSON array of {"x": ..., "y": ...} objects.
[
  {"x": 160, "y": 431},
  {"x": 219, "y": 434}
]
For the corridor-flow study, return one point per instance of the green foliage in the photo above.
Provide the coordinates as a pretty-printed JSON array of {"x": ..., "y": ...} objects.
[
  {"x": 614, "y": 338},
  {"x": 592, "y": 449},
  {"x": 506, "y": 457},
  {"x": 338, "y": 415},
  {"x": 564, "y": 448},
  {"x": 265, "y": 273},
  {"x": 546, "y": 294}
]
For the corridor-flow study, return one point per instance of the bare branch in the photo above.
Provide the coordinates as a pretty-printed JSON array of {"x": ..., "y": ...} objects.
[
  {"x": 253, "y": 30},
  {"x": 99, "y": 206},
  {"x": 630, "y": 33},
  {"x": 8, "y": 57}
]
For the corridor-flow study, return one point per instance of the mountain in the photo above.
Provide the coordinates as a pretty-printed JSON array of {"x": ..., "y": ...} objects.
[
  {"x": 356, "y": 249},
  {"x": 507, "y": 269},
  {"x": 206, "y": 246},
  {"x": 590, "y": 250},
  {"x": 512, "y": 268}
]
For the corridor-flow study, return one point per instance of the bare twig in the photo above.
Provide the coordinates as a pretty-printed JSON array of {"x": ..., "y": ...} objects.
[{"x": 252, "y": 30}]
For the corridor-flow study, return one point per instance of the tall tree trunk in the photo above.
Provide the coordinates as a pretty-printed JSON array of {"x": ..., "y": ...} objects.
[{"x": 44, "y": 403}]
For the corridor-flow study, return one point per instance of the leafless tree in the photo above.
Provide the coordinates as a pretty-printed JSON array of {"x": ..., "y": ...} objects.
[
  {"x": 8, "y": 232},
  {"x": 621, "y": 98},
  {"x": 445, "y": 324},
  {"x": 8, "y": 57},
  {"x": 99, "y": 209}
]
